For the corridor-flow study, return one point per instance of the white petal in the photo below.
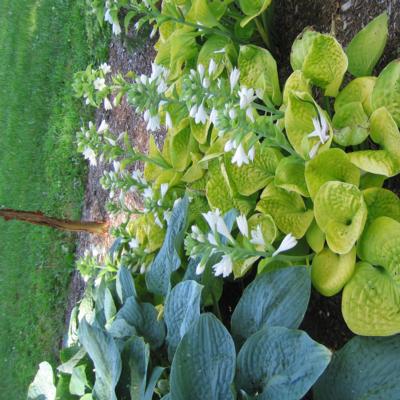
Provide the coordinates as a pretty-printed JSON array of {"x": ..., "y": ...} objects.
[
  {"x": 234, "y": 78},
  {"x": 242, "y": 225},
  {"x": 240, "y": 156},
  {"x": 168, "y": 120},
  {"x": 257, "y": 237},
  {"x": 251, "y": 154},
  {"x": 200, "y": 268},
  {"x": 212, "y": 67},
  {"x": 103, "y": 127},
  {"x": 224, "y": 267},
  {"x": 223, "y": 229},
  {"x": 201, "y": 70},
  {"x": 288, "y": 243},
  {"x": 163, "y": 189}
]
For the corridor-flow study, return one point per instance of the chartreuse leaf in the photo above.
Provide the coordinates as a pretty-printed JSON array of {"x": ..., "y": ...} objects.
[
  {"x": 267, "y": 224},
  {"x": 182, "y": 309},
  {"x": 371, "y": 299},
  {"x": 252, "y": 8},
  {"x": 179, "y": 146},
  {"x": 250, "y": 178},
  {"x": 340, "y": 212},
  {"x": 366, "y": 47},
  {"x": 78, "y": 382},
  {"x": 301, "y": 47},
  {"x": 296, "y": 82},
  {"x": 386, "y": 92},
  {"x": 279, "y": 363},
  {"x": 105, "y": 355},
  {"x": 42, "y": 387},
  {"x": 287, "y": 209},
  {"x": 330, "y": 271},
  {"x": 204, "y": 363},
  {"x": 199, "y": 131},
  {"x": 369, "y": 180},
  {"x": 258, "y": 70},
  {"x": 151, "y": 170},
  {"x": 331, "y": 165},
  {"x": 359, "y": 90},
  {"x": 350, "y": 125},
  {"x": 167, "y": 259},
  {"x": 289, "y": 175},
  {"x": 125, "y": 285},
  {"x": 315, "y": 237},
  {"x": 366, "y": 368},
  {"x": 381, "y": 203},
  {"x": 385, "y": 133},
  {"x": 276, "y": 298},
  {"x": 301, "y": 110},
  {"x": 207, "y": 13}
]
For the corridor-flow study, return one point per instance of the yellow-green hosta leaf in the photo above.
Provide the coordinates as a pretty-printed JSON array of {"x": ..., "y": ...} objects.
[
  {"x": 195, "y": 171},
  {"x": 258, "y": 70},
  {"x": 289, "y": 175},
  {"x": 249, "y": 178},
  {"x": 301, "y": 110},
  {"x": 325, "y": 64},
  {"x": 155, "y": 235},
  {"x": 358, "y": 90},
  {"x": 386, "y": 92},
  {"x": 200, "y": 131},
  {"x": 151, "y": 171},
  {"x": 370, "y": 302},
  {"x": 369, "y": 180},
  {"x": 340, "y": 212},
  {"x": 350, "y": 125},
  {"x": 375, "y": 161},
  {"x": 211, "y": 49},
  {"x": 331, "y": 165},
  {"x": 301, "y": 47},
  {"x": 267, "y": 224},
  {"x": 296, "y": 82},
  {"x": 170, "y": 176},
  {"x": 240, "y": 268},
  {"x": 201, "y": 13},
  {"x": 287, "y": 209},
  {"x": 180, "y": 149},
  {"x": 366, "y": 47},
  {"x": 315, "y": 237},
  {"x": 330, "y": 271},
  {"x": 381, "y": 203},
  {"x": 252, "y": 8}
]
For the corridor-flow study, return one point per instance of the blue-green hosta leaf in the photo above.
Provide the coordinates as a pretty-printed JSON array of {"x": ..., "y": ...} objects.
[
  {"x": 341, "y": 213},
  {"x": 277, "y": 363},
  {"x": 289, "y": 175},
  {"x": 331, "y": 165},
  {"x": 204, "y": 363},
  {"x": 381, "y": 203},
  {"x": 109, "y": 306},
  {"x": 277, "y": 298},
  {"x": 299, "y": 115},
  {"x": 152, "y": 382},
  {"x": 125, "y": 285},
  {"x": 330, "y": 271},
  {"x": 167, "y": 259},
  {"x": 366, "y": 368},
  {"x": 106, "y": 358},
  {"x": 252, "y": 177},
  {"x": 258, "y": 70},
  {"x": 366, "y": 47},
  {"x": 78, "y": 382},
  {"x": 182, "y": 309},
  {"x": 252, "y": 8},
  {"x": 386, "y": 92},
  {"x": 287, "y": 209},
  {"x": 42, "y": 387}
]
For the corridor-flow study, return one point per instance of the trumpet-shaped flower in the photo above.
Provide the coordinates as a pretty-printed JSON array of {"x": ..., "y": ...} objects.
[
  {"x": 224, "y": 267},
  {"x": 90, "y": 155},
  {"x": 200, "y": 267},
  {"x": 247, "y": 96},
  {"x": 134, "y": 243},
  {"x": 168, "y": 120},
  {"x": 99, "y": 84},
  {"x": 164, "y": 189},
  {"x": 242, "y": 225},
  {"x": 105, "y": 68},
  {"x": 103, "y": 127},
  {"x": 201, "y": 115},
  {"x": 288, "y": 243},
  {"x": 240, "y": 156},
  {"x": 212, "y": 67},
  {"x": 107, "y": 104},
  {"x": 320, "y": 129},
  {"x": 214, "y": 116},
  {"x": 251, "y": 154},
  {"x": 257, "y": 237},
  {"x": 230, "y": 145},
  {"x": 234, "y": 78},
  {"x": 154, "y": 123},
  {"x": 212, "y": 218}
]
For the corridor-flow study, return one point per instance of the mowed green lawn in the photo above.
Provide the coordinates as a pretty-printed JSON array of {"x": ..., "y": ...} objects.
[{"x": 42, "y": 43}]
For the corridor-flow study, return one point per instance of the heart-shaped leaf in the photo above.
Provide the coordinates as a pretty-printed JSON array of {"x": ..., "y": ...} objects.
[
  {"x": 252, "y": 8},
  {"x": 289, "y": 175},
  {"x": 381, "y": 203}
]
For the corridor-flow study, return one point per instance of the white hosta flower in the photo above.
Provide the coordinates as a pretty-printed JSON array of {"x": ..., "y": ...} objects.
[
  {"x": 232, "y": 113},
  {"x": 154, "y": 123},
  {"x": 234, "y": 78},
  {"x": 134, "y": 243},
  {"x": 107, "y": 104},
  {"x": 240, "y": 156},
  {"x": 201, "y": 70},
  {"x": 143, "y": 79},
  {"x": 320, "y": 129},
  {"x": 158, "y": 221},
  {"x": 143, "y": 269},
  {"x": 148, "y": 193},
  {"x": 250, "y": 114},
  {"x": 116, "y": 28},
  {"x": 206, "y": 83},
  {"x": 117, "y": 166},
  {"x": 288, "y": 243},
  {"x": 212, "y": 67},
  {"x": 201, "y": 115},
  {"x": 197, "y": 234},
  {"x": 162, "y": 87},
  {"x": 224, "y": 267},
  {"x": 230, "y": 145},
  {"x": 105, "y": 68},
  {"x": 157, "y": 71},
  {"x": 153, "y": 32},
  {"x": 247, "y": 96},
  {"x": 107, "y": 17},
  {"x": 214, "y": 116},
  {"x": 251, "y": 154},
  {"x": 163, "y": 189},
  {"x": 90, "y": 155},
  {"x": 200, "y": 267},
  {"x": 211, "y": 239},
  {"x": 257, "y": 237},
  {"x": 103, "y": 127},
  {"x": 223, "y": 229},
  {"x": 212, "y": 218},
  {"x": 193, "y": 111},
  {"x": 168, "y": 120},
  {"x": 242, "y": 224},
  {"x": 314, "y": 150},
  {"x": 99, "y": 84},
  {"x": 111, "y": 141}
]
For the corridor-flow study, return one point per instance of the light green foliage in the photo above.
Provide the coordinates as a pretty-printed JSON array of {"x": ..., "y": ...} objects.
[
  {"x": 290, "y": 175},
  {"x": 252, "y": 8},
  {"x": 381, "y": 203},
  {"x": 367, "y": 46}
]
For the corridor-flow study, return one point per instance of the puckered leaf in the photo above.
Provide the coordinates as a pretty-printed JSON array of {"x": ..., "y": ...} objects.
[
  {"x": 296, "y": 82},
  {"x": 203, "y": 13},
  {"x": 179, "y": 147},
  {"x": 381, "y": 203},
  {"x": 366, "y": 47},
  {"x": 386, "y": 92},
  {"x": 301, "y": 47},
  {"x": 252, "y": 8},
  {"x": 204, "y": 362},
  {"x": 331, "y": 165},
  {"x": 290, "y": 175},
  {"x": 299, "y": 116},
  {"x": 287, "y": 209},
  {"x": 330, "y": 271},
  {"x": 280, "y": 363},
  {"x": 258, "y": 70},
  {"x": 267, "y": 224},
  {"x": 340, "y": 212},
  {"x": 277, "y": 298},
  {"x": 249, "y": 178},
  {"x": 365, "y": 368}
]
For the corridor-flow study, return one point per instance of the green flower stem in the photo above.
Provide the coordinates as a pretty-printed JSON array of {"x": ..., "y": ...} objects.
[{"x": 263, "y": 33}]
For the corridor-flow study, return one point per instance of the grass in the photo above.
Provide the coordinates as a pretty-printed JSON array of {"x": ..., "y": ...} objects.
[{"x": 43, "y": 42}]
